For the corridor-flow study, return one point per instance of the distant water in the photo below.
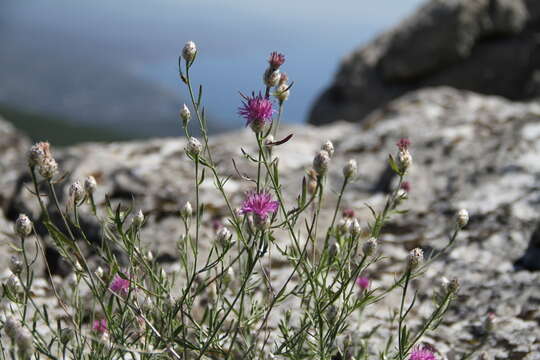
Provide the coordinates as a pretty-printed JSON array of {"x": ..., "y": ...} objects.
[{"x": 114, "y": 62}]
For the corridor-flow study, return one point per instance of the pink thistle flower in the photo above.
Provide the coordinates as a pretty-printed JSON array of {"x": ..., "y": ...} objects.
[
  {"x": 276, "y": 60},
  {"x": 260, "y": 204},
  {"x": 406, "y": 186},
  {"x": 120, "y": 286},
  {"x": 100, "y": 326},
  {"x": 422, "y": 353},
  {"x": 403, "y": 144},
  {"x": 256, "y": 109},
  {"x": 348, "y": 213},
  {"x": 363, "y": 282}
]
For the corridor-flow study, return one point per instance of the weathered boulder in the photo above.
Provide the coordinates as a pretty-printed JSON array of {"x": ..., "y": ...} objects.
[
  {"x": 473, "y": 151},
  {"x": 486, "y": 46}
]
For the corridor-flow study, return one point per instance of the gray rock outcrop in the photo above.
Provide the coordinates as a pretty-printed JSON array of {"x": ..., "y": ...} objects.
[{"x": 486, "y": 46}]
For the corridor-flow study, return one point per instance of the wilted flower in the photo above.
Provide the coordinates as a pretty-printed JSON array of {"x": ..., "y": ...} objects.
[
  {"x": 259, "y": 204},
  {"x": 119, "y": 285},
  {"x": 422, "y": 353},
  {"x": 276, "y": 60},
  {"x": 23, "y": 225},
  {"x": 363, "y": 282},
  {"x": 100, "y": 326},
  {"x": 257, "y": 110},
  {"x": 189, "y": 51}
]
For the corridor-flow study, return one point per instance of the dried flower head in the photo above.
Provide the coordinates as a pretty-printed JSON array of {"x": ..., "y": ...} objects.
[
  {"x": 189, "y": 51},
  {"x": 194, "y": 146},
  {"x": 259, "y": 204},
  {"x": 276, "y": 60},
  {"x": 328, "y": 146},
  {"x": 257, "y": 110},
  {"x": 23, "y": 225},
  {"x": 100, "y": 326},
  {"x": 405, "y": 160},
  {"x": 120, "y": 286},
  {"x": 321, "y": 161},
  {"x": 76, "y": 191},
  {"x": 38, "y": 152},
  {"x": 422, "y": 353},
  {"x": 48, "y": 168},
  {"x": 462, "y": 218},
  {"x": 363, "y": 282},
  {"x": 90, "y": 184}
]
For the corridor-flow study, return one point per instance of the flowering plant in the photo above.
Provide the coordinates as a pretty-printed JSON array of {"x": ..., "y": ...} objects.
[{"x": 223, "y": 303}]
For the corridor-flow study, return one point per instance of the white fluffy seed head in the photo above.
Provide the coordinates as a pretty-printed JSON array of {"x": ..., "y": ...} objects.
[
  {"x": 462, "y": 218},
  {"x": 194, "y": 146},
  {"x": 90, "y": 184},
  {"x": 189, "y": 51},
  {"x": 23, "y": 225},
  {"x": 350, "y": 169}
]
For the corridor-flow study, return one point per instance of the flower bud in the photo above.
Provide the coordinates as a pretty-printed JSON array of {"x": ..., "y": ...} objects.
[
  {"x": 489, "y": 322},
  {"x": 99, "y": 272},
  {"x": 76, "y": 192},
  {"x": 223, "y": 235},
  {"x": 185, "y": 115},
  {"x": 462, "y": 218},
  {"x": 321, "y": 162},
  {"x": 452, "y": 286},
  {"x": 283, "y": 92},
  {"x": 138, "y": 219},
  {"x": 355, "y": 228},
  {"x": 331, "y": 314},
  {"x": 405, "y": 160},
  {"x": 350, "y": 170},
  {"x": 271, "y": 77},
  {"x": 78, "y": 267},
  {"x": 416, "y": 256},
  {"x": 11, "y": 327},
  {"x": 66, "y": 334},
  {"x": 187, "y": 210},
  {"x": 23, "y": 339},
  {"x": 328, "y": 147},
  {"x": 48, "y": 168},
  {"x": 344, "y": 226},
  {"x": 194, "y": 146},
  {"x": 229, "y": 276},
  {"x": 149, "y": 256},
  {"x": 370, "y": 246},
  {"x": 189, "y": 51},
  {"x": 15, "y": 265},
  {"x": 38, "y": 152},
  {"x": 90, "y": 184},
  {"x": 23, "y": 225},
  {"x": 14, "y": 285}
]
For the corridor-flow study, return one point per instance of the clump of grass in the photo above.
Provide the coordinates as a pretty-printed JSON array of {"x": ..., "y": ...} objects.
[{"x": 220, "y": 305}]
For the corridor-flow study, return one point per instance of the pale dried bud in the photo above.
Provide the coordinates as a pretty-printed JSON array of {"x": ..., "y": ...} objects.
[
  {"x": 405, "y": 160},
  {"x": 283, "y": 92},
  {"x": 328, "y": 147},
  {"x": 452, "y": 286},
  {"x": 271, "y": 77},
  {"x": 23, "y": 225},
  {"x": 48, "y": 168},
  {"x": 344, "y": 226},
  {"x": 99, "y": 272},
  {"x": 370, "y": 246},
  {"x": 187, "y": 210},
  {"x": 355, "y": 228},
  {"x": 78, "y": 266},
  {"x": 14, "y": 285},
  {"x": 38, "y": 152},
  {"x": 194, "y": 146},
  {"x": 321, "y": 162},
  {"x": 138, "y": 219},
  {"x": 312, "y": 186},
  {"x": 189, "y": 51},
  {"x": 350, "y": 170},
  {"x": 416, "y": 256},
  {"x": 185, "y": 115},
  {"x": 462, "y": 218},
  {"x": 90, "y": 185},
  {"x": 223, "y": 235},
  {"x": 23, "y": 339},
  {"x": 76, "y": 191},
  {"x": 15, "y": 265},
  {"x": 11, "y": 327}
]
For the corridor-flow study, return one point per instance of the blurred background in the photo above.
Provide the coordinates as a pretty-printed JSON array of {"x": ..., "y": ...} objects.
[{"x": 74, "y": 71}]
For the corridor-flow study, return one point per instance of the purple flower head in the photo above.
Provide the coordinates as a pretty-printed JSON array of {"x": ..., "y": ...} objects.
[
  {"x": 422, "y": 353},
  {"x": 406, "y": 186},
  {"x": 259, "y": 204},
  {"x": 348, "y": 213},
  {"x": 120, "y": 286},
  {"x": 256, "y": 108},
  {"x": 403, "y": 144},
  {"x": 100, "y": 326},
  {"x": 276, "y": 60},
  {"x": 363, "y": 282}
]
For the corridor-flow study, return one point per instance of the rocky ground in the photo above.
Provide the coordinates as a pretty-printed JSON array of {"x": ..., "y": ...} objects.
[{"x": 473, "y": 151}]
